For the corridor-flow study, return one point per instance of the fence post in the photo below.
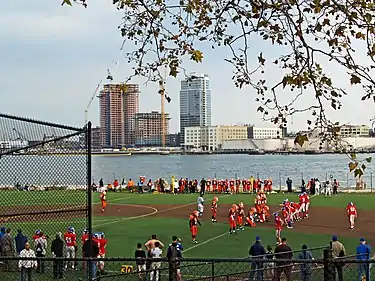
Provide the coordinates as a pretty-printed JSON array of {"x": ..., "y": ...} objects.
[
  {"x": 213, "y": 270},
  {"x": 347, "y": 180},
  {"x": 327, "y": 256},
  {"x": 90, "y": 266},
  {"x": 371, "y": 181}
]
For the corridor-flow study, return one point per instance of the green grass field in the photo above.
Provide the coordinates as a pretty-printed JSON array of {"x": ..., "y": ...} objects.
[{"x": 124, "y": 233}]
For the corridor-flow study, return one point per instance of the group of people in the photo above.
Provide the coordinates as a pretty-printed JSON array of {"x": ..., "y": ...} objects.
[
  {"x": 64, "y": 245},
  {"x": 148, "y": 261}
]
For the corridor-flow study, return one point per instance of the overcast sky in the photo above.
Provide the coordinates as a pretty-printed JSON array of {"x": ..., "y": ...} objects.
[{"x": 52, "y": 58}]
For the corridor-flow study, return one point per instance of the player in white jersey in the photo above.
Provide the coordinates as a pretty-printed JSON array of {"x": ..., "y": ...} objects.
[{"x": 200, "y": 202}]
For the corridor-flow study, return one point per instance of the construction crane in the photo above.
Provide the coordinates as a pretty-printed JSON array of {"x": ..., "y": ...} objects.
[{"x": 110, "y": 74}]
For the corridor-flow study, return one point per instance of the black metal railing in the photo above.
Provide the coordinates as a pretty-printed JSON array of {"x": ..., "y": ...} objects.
[{"x": 187, "y": 269}]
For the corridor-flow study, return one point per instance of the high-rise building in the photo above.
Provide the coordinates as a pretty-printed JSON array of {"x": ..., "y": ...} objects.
[
  {"x": 148, "y": 128},
  {"x": 111, "y": 115},
  {"x": 131, "y": 108},
  {"x": 195, "y": 102}
]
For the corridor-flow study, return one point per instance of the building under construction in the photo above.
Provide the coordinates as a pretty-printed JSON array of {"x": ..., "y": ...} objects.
[
  {"x": 111, "y": 115},
  {"x": 130, "y": 109},
  {"x": 149, "y": 128}
]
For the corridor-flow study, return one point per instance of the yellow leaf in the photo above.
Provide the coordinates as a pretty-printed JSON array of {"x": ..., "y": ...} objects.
[
  {"x": 300, "y": 140},
  {"x": 124, "y": 88},
  {"x": 197, "y": 56},
  {"x": 352, "y": 166},
  {"x": 68, "y": 2}
]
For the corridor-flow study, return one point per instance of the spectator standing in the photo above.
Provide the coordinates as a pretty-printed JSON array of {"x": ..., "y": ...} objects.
[
  {"x": 268, "y": 266},
  {"x": 140, "y": 255},
  {"x": 338, "y": 251},
  {"x": 8, "y": 249},
  {"x": 306, "y": 267},
  {"x": 156, "y": 253},
  {"x": 174, "y": 254},
  {"x": 26, "y": 266},
  {"x": 283, "y": 252},
  {"x": 289, "y": 185},
  {"x": 257, "y": 254},
  {"x": 140, "y": 185},
  {"x": 101, "y": 184},
  {"x": 57, "y": 250},
  {"x": 363, "y": 252},
  {"x": 20, "y": 240},
  {"x": 90, "y": 249},
  {"x": 40, "y": 251},
  {"x": 150, "y": 244},
  {"x": 203, "y": 186},
  {"x": 335, "y": 187}
]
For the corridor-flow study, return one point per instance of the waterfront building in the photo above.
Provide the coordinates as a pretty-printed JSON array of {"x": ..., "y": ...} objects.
[
  {"x": 195, "y": 102},
  {"x": 131, "y": 108},
  {"x": 354, "y": 131},
  {"x": 111, "y": 115},
  {"x": 148, "y": 128},
  {"x": 265, "y": 133}
]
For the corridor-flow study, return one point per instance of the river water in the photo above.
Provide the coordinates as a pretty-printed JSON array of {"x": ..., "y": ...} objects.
[{"x": 71, "y": 170}]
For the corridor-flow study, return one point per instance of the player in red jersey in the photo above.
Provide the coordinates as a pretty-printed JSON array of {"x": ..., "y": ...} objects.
[
  {"x": 208, "y": 185},
  {"x": 102, "y": 243},
  {"x": 302, "y": 202},
  {"x": 231, "y": 186},
  {"x": 214, "y": 185},
  {"x": 240, "y": 215},
  {"x": 232, "y": 219},
  {"x": 295, "y": 211},
  {"x": 250, "y": 220},
  {"x": 70, "y": 239},
  {"x": 351, "y": 211},
  {"x": 193, "y": 225},
  {"x": 279, "y": 227},
  {"x": 258, "y": 204},
  {"x": 214, "y": 209},
  {"x": 221, "y": 186}
]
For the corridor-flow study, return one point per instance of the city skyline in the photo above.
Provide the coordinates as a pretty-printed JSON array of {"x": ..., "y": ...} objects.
[{"x": 54, "y": 57}]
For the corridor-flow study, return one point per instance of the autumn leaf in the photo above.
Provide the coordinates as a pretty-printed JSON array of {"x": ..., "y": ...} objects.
[
  {"x": 353, "y": 156},
  {"x": 124, "y": 88},
  {"x": 355, "y": 79},
  {"x": 369, "y": 159},
  {"x": 197, "y": 56},
  {"x": 300, "y": 139},
  {"x": 68, "y": 2},
  {"x": 352, "y": 166},
  {"x": 261, "y": 60},
  {"x": 358, "y": 173}
]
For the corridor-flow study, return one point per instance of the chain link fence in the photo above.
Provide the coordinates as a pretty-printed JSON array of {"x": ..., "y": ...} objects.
[
  {"x": 324, "y": 269},
  {"x": 39, "y": 196}
]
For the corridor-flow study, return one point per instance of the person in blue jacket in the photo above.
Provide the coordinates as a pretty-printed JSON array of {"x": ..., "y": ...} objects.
[
  {"x": 20, "y": 241},
  {"x": 363, "y": 252}
]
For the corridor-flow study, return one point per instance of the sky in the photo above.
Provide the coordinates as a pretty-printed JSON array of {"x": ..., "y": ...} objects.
[{"x": 53, "y": 57}]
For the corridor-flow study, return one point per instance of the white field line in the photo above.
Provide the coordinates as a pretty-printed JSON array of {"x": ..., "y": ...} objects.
[
  {"x": 217, "y": 237},
  {"x": 155, "y": 210}
]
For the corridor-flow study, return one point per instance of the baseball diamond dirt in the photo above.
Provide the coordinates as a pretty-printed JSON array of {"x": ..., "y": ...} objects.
[{"x": 323, "y": 220}]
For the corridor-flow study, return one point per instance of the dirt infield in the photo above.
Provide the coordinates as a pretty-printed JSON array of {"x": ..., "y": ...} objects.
[{"x": 322, "y": 220}]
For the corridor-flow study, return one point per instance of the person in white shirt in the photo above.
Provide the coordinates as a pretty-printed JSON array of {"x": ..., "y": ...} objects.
[
  {"x": 200, "y": 202},
  {"x": 317, "y": 187},
  {"x": 25, "y": 265},
  {"x": 155, "y": 266}
]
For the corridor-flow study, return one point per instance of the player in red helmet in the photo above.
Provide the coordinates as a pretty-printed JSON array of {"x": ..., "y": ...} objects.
[
  {"x": 232, "y": 219},
  {"x": 193, "y": 225}
]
